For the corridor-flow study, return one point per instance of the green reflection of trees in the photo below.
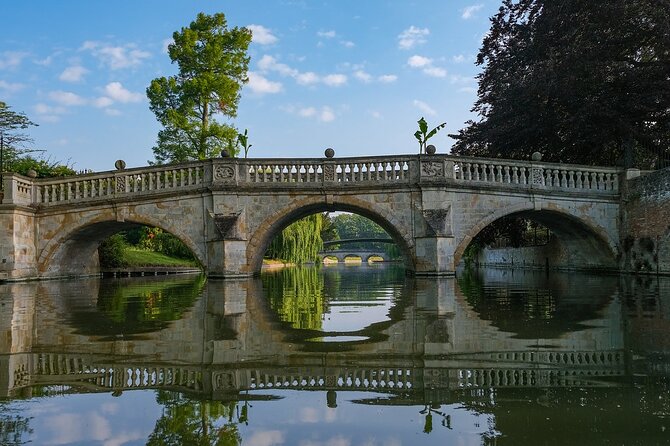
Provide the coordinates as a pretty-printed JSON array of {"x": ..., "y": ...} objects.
[
  {"x": 193, "y": 422},
  {"x": 139, "y": 307},
  {"x": 535, "y": 305},
  {"x": 296, "y": 294}
]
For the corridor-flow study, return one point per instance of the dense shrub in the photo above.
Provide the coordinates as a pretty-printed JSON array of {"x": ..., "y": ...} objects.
[{"x": 111, "y": 252}]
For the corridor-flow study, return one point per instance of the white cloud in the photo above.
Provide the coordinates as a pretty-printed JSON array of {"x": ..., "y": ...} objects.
[
  {"x": 326, "y": 115},
  {"x": 102, "y": 102},
  {"x": 470, "y": 11},
  {"x": 417, "y": 61},
  {"x": 269, "y": 63},
  {"x": 335, "y": 80},
  {"x": 307, "y": 112},
  {"x": 363, "y": 76},
  {"x": 262, "y": 35},
  {"x": 323, "y": 114},
  {"x": 375, "y": 114},
  {"x": 118, "y": 93},
  {"x": 74, "y": 73},
  {"x": 112, "y": 112},
  {"x": 11, "y": 59},
  {"x": 265, "y": 438},
  {"x": 9, "y": 87},
  {"x": 260, "y": 85},
  {"x": 427, "y": 109},
  {"x": 387, "y": 78},
  {"x": 348, "y": 43},
  {"x": 412, "y": 37},
  {"x": 116, "y": 57},
  {"x": 307, "y": 78},
  {"x": 66, "y": 98},
  {"x": 458, "y": 59},
  {"x": 327, "y": 34},
  {"x": 426, "y": 65},
  {"x": 165, "y": 44},
  {"x": 47, "y": 113},
  {"x": 435, "y": 71}
]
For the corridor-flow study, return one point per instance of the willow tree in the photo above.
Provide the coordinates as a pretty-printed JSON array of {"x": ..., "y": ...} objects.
[
  {"x": 213, "y": 63},
  {"x": 300, "y": 242}
]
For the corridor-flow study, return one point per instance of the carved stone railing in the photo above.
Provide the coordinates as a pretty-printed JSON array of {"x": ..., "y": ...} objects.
[{"x": 317, "y": 173}]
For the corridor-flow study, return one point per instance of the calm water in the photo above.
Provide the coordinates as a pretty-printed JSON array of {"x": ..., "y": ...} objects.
[{"x": 341, "y": 356}]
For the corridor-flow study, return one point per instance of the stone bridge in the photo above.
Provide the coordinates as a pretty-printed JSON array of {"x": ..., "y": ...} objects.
[
  {"x": 365, "y": 254},
  {"x": 227, "y": 211}
]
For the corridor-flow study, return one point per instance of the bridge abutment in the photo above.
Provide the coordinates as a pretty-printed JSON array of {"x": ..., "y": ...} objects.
[{"x": 18, "y": 258}]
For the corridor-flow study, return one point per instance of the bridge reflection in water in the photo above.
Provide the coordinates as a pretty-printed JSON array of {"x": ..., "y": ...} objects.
[{"x": 497, "y": 344}]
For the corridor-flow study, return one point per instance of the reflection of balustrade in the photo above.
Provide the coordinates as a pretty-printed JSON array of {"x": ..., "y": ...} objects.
[
  {"x": 352, "y": 379},
  {"x": 302, "y": 174},
  {"x": 50, "y": 366},
  {"x": 505, "y": 369}
]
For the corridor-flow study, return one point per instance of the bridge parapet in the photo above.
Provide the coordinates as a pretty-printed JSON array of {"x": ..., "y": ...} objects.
[{"x": 364, "y": 172}]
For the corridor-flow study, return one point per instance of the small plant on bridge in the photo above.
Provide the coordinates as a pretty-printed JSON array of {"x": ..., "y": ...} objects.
[
  {"x": 243, "y": 141},
  {"x": 423, "y": 135}
]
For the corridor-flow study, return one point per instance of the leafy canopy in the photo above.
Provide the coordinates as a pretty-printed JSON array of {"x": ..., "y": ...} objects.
[
  {"x": 576, "y": 80},
  {"x": 15, "y": 141},
  {"x": 212, "y": 62}
]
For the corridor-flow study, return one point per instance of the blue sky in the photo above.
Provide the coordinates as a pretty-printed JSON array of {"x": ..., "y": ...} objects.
[{"x": 351, "y": 75}]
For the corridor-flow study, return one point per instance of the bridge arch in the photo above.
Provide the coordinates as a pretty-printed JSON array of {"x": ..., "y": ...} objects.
[
  {"x": 71, "y": 250},
  {"x": 589, "y": 237},
  {"x": 261, "y": 238}
]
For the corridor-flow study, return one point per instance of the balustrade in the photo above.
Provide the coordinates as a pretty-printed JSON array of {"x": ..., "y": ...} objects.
[{"x": 289, "y": 173}]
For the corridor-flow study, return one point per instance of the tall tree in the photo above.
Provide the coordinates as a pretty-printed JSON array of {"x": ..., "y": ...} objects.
[
  {"x": 213, "y": 62},
  {"x": 14, "y": 139},
  {"x": 578, "y": 80}
]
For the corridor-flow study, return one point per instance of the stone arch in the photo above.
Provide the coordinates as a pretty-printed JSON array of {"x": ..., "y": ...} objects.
[
  {"x": 71, "y": 251},
  {"x": 374, "y": 254},
  {"x": 560, "y": 221},
  {"x": 260, "y": 239}
]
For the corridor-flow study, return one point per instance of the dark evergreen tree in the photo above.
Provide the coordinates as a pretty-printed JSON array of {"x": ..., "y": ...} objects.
[{"x": 580, "y": 81}]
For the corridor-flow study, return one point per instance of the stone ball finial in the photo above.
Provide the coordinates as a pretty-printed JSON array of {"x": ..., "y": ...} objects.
[
  {"x": 536, "y": 156},
  {"x": 120, "y": 164},
  {"x": 430, "y": 149},
  {"x": 31, "y": 173},
  {"x": 329, "y": 153},
  {"x": 225, "y": 154}
]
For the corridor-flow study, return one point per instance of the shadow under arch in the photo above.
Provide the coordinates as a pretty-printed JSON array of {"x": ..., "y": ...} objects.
[
  {"x": 260, "y": 240},
  {"x": 590, "y": 242},
  {"x": 72, "y": 252}
]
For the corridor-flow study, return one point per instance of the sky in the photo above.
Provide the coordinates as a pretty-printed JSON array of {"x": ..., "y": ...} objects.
[{"x": 351, "y": 75}]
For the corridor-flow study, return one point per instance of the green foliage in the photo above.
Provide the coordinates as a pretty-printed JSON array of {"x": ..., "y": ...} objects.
[
  {"x": 423, "y": 135},
  {"x": 296, "y": 294},
  {"x": 300, "y": 242},
  {"x": 187, "y": 421},
  {"x": 44, "y": 168},
  {"x": 212, "y": 63},
  {"x": 14, "y": 139},
  {"x": 155, "y": 239},
  {"x": 576, "y": 81},
  {"x": 111, "y": 252},
  {"x": 354, "y": 226}
]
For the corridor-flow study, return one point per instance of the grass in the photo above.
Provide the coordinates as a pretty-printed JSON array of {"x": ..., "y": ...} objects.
[{"x": 138, "y": 257}]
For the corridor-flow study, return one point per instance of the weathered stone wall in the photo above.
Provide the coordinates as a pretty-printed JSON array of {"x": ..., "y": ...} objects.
[{"x": 646, "y": 224}]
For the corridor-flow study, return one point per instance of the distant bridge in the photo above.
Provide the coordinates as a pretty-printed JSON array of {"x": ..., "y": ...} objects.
[
  {"x": 227, "y": 211},
  {"x": 365, "y": 254},
  {"x": 347, "y": 241}
]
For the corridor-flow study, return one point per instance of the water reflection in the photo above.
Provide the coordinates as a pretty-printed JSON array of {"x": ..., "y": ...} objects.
[{"x": 489, "y": 358}]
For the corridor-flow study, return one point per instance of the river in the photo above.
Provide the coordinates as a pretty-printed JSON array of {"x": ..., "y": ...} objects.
[{"x": 342, "y": 355}]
